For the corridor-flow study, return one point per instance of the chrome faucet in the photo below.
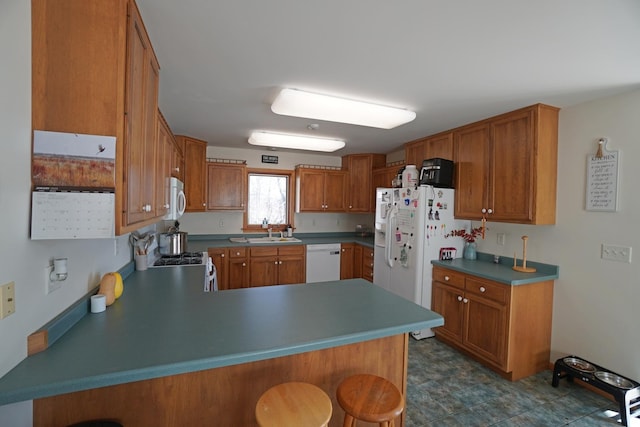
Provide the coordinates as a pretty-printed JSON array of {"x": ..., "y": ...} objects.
[{"x": 281, "y": 234}]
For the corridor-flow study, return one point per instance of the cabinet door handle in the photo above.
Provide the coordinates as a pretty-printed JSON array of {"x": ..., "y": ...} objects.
[
  {"x": 482, "y": 289},
  {"x": 244, "y": 264},
  {"x": 465, "y": 300},
  {"x": 446, "y": 278},
  {"x": 280, "y": 262},
  {"x": 343, "y": 250},
  {"x": 459, "y": 298},
  {"x": 221, "y": 255},
  {"x": 204, "y": 204},
  {"x": 237, "y": 253},
  {"x": 177, "y": 169},
  {"x": 350, "y": 207}
]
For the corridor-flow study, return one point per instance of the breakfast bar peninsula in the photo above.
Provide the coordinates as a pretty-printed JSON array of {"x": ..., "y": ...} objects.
[{"x": 166, "y": 353}]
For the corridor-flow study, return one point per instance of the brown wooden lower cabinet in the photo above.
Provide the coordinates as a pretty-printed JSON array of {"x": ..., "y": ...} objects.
[
  {"x": 356, "y": 262},
  {"x": 227, "y": 396},
  {"x": 508, "y": 328},
  {"x": 232, "y": 267},
  {"x": 347, "y": 261},
  {"x": 243, "y": 267},
  {"x": 367, "y": 264},
  {"x": 277, "y": 265}
]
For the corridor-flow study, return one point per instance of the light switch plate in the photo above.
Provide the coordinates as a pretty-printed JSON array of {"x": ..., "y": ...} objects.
[
  {"x": 616, "y": 253},
  {"x": 7, "y": 299}
]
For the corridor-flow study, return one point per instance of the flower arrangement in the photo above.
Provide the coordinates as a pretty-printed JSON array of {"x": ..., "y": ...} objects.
[{"x": 468, "y": 237}]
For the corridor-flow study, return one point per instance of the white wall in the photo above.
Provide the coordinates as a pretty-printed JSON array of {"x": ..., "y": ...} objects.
[
  {"x": 231, "y": 222},
  {"x": 21, "y": 260},
  {"x": 595, "y": 301}
]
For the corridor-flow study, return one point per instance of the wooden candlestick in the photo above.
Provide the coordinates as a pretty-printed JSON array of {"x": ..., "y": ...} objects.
[{"x": 524, "y": 268}]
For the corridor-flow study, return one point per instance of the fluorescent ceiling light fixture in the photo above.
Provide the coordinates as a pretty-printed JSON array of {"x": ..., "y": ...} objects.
[
  {"x": 298, "y": 103},
  {"x": 297, "y": 142}
]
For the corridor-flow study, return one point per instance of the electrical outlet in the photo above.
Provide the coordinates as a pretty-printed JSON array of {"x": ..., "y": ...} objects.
[
  {"x": 7, "y": 299},
  {"x": 501, "y": 239},
  {"x": 616, "y": 253},
  {"x": 50, "y": 286}
]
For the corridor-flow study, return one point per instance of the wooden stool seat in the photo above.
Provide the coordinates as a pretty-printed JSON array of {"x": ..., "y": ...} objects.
[
  {"x": 293, "y": 404},
  {"x": 369, "y": 398}
]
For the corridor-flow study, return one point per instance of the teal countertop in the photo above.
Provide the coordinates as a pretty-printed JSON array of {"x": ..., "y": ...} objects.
[
  {"x": 502, "y": 272},
  {"x": 201, "y": 242},
  {"x": 164, "y": 324}
]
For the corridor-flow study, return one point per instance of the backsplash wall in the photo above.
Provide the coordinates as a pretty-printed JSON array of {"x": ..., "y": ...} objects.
[{"x": 231, "y": 222}]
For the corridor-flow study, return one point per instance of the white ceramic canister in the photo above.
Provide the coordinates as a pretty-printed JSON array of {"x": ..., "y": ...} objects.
[{"x": 410, "y": 176}]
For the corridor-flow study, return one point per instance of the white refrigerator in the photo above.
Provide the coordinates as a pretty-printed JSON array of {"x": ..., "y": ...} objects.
[{"x": 411, "y": 228}]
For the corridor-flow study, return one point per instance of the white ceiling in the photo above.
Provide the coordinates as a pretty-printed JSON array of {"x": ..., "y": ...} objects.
[{"x": 451, "y": 61}]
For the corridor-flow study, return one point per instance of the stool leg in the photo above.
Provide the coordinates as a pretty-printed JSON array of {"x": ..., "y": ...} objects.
[{"x": 349, "y": 421}]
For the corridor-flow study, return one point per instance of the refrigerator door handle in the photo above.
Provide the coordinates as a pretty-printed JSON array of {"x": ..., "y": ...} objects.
[{"x": 389, "y": 235}]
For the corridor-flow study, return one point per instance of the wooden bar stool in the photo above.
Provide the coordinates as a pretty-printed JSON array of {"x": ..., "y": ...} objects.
[
  {"x": 369, "y": 398},
  {"x": 293, "y": 404}
]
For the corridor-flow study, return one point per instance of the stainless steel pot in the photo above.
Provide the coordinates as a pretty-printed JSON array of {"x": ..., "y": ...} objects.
[{"x": 173, "y": 243}]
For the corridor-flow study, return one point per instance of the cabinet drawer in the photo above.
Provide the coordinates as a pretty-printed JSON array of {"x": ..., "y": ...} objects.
[
  {"x": 450, "y": 277},
  {"x": 490, "y": 290},
  {"x": 237, "y": 252},
  {"x": 264, "y": 251},
  {"x": 291, "y": 250},
  {"x": 367, "y": 256}
]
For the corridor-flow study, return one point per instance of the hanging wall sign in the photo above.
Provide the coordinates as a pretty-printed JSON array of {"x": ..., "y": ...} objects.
[
  {"x": 602, "y": 180},
  {"x": 270, "y": 159}
]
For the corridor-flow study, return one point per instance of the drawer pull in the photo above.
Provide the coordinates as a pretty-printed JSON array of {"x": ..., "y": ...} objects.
[
  {"x": 446, "y": 278},
  {"x": 482, "y": 289}
]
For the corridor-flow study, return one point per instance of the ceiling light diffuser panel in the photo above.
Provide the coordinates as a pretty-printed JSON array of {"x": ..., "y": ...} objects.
[
  {"x": 296, "y": 142},
  {"x": 298, "y": 103}
]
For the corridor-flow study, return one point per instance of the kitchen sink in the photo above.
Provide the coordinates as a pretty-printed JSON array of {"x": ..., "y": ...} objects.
[{"x": 267, "y": 239}]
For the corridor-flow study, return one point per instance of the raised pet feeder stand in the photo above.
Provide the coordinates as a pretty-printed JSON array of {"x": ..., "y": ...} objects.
[{"x": 625, "y": 391}]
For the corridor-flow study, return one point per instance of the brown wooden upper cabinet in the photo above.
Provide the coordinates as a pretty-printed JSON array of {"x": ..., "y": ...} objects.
[
  {"x": 226, "y": 185},
  {"x": 435, "y": 146},
  {"x": 383, "y": 177},
  {"x": 141, "y": 142},
  {"x": 113, "y": 91},
  {"x": 360, "y": 197},
  {"x": 320, "y": 190},
  {"x": 164, "y": 154},
  {"x": 506, "y": 167},
  {"x": 195, "y": 172}
]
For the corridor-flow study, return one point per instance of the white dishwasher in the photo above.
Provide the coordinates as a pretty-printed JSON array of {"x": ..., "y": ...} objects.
[{"x": 323, "y": 262}]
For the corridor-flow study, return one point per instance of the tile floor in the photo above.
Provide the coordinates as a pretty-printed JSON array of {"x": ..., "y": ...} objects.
[{"x": 445, "y": 388}]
